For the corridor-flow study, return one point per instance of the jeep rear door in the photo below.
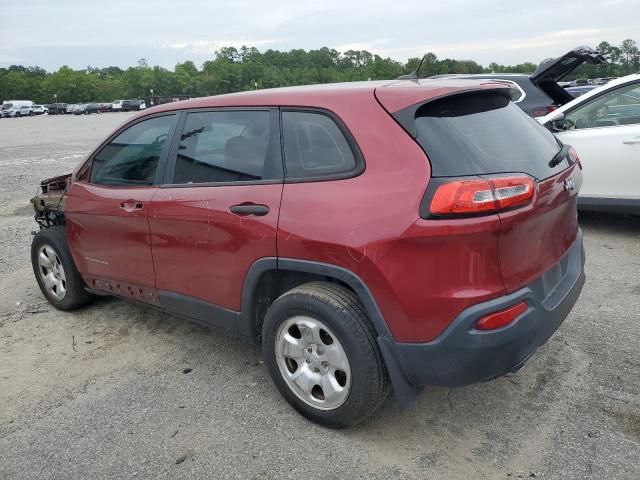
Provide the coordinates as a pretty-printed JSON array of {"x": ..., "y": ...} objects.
[{"x": 217, "y": 211}]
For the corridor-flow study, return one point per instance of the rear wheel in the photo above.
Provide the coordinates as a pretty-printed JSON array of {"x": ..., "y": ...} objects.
[
  {"x": 321, "y": 352},
  {"x": 55, "y": 271}
]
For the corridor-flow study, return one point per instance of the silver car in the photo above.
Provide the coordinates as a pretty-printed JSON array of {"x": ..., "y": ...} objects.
[{"x": 23, "y": 111}]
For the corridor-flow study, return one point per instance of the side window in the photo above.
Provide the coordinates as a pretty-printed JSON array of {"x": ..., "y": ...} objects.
[
  {"x": 314, "y": 146},
  {"x": 132, "y": 157},
  {"x": 227, "y": 146},
  {"x": 617, "y": 107}
]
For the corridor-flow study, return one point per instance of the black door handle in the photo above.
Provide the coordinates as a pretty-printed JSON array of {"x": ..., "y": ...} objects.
[
  {"x": 246, "y": 209},
  {"x": 131, "y": 206}
]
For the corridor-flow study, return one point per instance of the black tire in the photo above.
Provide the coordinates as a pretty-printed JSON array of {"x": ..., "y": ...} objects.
[
  {"x": 75, "y": 295},
  {"x": 341, "y": 311}
]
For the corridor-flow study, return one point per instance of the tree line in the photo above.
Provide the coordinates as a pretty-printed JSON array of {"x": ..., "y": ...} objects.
[{"x": 237, "y": 69}]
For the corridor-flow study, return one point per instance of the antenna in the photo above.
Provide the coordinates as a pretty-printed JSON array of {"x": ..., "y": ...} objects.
[{"x": 413, "y": 75}]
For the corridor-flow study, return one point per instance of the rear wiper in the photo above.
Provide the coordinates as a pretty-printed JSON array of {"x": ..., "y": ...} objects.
[{"x": 560, "y": 156}]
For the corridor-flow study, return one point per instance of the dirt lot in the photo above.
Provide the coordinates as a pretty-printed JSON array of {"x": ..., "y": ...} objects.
[{"x": 101, "y": 393}]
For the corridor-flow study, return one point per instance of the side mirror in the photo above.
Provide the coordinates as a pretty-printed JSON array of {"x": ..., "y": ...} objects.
[
  {"x": 554, "y": 116},
  {"x": 555, "y": 121}
]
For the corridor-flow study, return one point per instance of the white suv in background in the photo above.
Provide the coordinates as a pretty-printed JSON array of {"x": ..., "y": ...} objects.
[
  {"x": 604, "y": 127},
  {"x": 40, "y": 109},
  {"x": 116, "y": 106}
]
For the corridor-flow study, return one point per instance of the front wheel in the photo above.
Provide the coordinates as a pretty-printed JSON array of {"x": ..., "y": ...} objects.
[
  {"x": 55, "y": 271},
  {"x": 321, "y": 352}
]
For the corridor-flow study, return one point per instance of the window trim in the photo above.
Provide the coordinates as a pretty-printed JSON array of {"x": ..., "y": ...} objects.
[
  {"x": 594, "y": 98},
  {"x": 84, "y": 172},
  {"x": 170, "y": 164},
  {"x": 360, "y": 166}
]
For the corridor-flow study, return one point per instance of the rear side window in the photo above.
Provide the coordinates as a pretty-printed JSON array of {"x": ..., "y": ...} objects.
[
  {"x": 132, "y": 157},
  {"x": 476, "y": 134},
  {"x": 227, "y": 146},
  {"x": 314, "y": 146}
]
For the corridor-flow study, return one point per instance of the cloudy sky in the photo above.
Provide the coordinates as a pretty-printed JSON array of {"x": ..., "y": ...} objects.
[{"x": 51, "y": 33}]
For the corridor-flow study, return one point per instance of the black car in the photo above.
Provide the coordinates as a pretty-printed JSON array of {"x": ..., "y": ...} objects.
[
  {"x": 540, "y": 92},
  {"x": 129, "y": 105},
  {"x": 86, "y": 109},
  {"x": 57, "y": 108}
]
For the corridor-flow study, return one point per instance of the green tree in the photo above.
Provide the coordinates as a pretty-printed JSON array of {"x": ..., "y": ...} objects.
[{"x": 233, "y": 69}]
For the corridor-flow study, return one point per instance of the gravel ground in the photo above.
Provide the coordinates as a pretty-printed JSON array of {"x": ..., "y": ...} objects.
[{"x": 102, "y": 393}]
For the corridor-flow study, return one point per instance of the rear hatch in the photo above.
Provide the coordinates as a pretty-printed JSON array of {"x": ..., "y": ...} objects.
[
  {"x": 552, "y": 70},
  {"x": 480, "y": 138}
]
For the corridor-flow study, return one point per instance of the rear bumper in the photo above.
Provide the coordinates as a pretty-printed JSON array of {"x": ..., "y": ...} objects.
[
  {"x": 463, "y": 355},
  {"x": 613, "y": 205}
]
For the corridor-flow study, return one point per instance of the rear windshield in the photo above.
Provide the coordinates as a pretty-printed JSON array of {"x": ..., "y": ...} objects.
[{"x": 476, "y": 134}]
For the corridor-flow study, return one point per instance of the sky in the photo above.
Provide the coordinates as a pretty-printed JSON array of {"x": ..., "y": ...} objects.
[{"x": 101, "y": 33}]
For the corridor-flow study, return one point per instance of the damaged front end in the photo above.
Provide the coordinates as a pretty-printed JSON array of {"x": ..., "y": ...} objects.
[{"x": 49, "y": 201}]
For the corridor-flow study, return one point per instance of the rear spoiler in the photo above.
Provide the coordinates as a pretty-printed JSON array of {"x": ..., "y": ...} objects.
[{"x": 406, "y": 116}]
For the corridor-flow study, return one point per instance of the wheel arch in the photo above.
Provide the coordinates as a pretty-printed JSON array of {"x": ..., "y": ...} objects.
[{"x": 268, "y": 278}]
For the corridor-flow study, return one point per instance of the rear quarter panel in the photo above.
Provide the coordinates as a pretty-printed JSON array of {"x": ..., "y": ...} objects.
[{"x": 354, "y": 222}]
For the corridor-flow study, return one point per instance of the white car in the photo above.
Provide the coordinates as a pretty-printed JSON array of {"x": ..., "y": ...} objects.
[
  {"x": 116, "y": 106},
  {"x": 604, "y": 127},
  {"x": 40, "y": 109}
]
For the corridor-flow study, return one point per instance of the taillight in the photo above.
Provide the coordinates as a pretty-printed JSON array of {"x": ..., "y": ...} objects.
[
  {"x": 501, "y": 318},
  {"x": 468, "y": 197},
  {"x": 573, "y": 155}
]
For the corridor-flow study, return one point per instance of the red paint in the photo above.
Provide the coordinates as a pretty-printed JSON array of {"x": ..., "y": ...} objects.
[
  {"x": 202, "y": 250},
  {"x": 422, "y": 273},
  {"x": 107, "y": 241},
  {"x": 536, "y": 236}
]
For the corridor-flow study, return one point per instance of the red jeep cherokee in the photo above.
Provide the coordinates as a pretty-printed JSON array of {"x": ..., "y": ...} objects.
[{"x": 366, "y": 235}]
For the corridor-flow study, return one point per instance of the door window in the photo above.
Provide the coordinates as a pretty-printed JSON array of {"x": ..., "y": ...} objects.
[
  {"x": 617, "y": 107},
  {"x": 132, "y": 157},
  {"x": 227, "y": 146}
]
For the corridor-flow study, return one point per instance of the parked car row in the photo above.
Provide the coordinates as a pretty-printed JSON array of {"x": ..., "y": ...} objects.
[
  {"x": 115, "y": 106},
  {"x": 22, "y": 108},
  {"x": 582, "y": 82},
  {"x": 25, "y": 108},
  {"x": 24, "y": 111}
]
